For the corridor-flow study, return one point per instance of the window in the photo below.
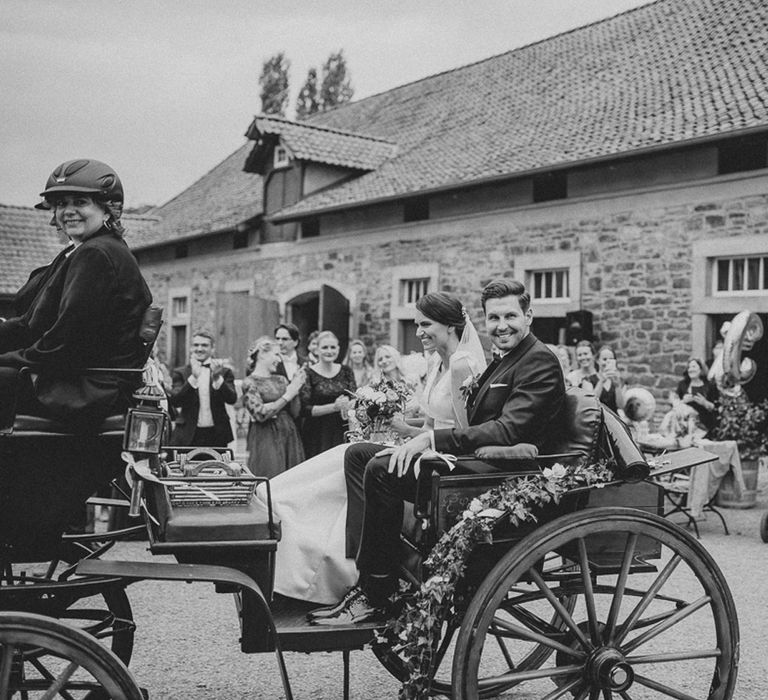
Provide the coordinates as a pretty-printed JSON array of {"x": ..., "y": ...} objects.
[
  {"x": 412, "y": 290},
  {"x": 179, "y": 306},
  {"x": 409, "y": 283},
  {"x": 282, "y": 157},
  {"x": 179, "y": 325},
  {"x": 549, "y": 285},
  {"x": 740, "y": 275}
]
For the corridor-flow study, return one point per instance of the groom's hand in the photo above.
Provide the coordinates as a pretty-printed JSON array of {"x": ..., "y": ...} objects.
[{"x": 401, "y": 457}]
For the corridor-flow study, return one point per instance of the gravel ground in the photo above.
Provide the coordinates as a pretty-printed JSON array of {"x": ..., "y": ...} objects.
[{"x": 186, "y": 642}]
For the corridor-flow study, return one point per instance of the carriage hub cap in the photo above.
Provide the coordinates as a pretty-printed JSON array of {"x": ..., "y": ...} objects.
[{"x": 610, "y": 670}]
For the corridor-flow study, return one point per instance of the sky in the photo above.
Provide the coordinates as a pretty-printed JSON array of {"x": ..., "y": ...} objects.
[{"x": 164, "y": 90}]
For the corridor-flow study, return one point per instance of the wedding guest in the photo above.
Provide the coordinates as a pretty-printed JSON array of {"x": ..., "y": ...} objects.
[
  {"x": 357, "y": 360},
  {"x": 699, "y": 392},
  {"x": 562, "y": 354},
  {"x": 291, "y": 359},
  {"x": 202, "y": 389},
  {"x": 610, "y": 385},
  {"x": 312, "y": 347},
  {"x": 585, "y": 374},
  {"x": 325, "y": 398},
  {"x": 272, "y": 402}
]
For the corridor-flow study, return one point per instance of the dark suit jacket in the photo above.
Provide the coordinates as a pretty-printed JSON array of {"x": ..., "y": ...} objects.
[
  {"x": 280, "y": 369},
  {"x": 83, "y": 310},
  {"x": 518, "y": 400},
  {"x": 185, "y": 397}
]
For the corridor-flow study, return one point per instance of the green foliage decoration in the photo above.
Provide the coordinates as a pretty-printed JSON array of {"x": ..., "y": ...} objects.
[
  {"x": 414, "y": 635},
  {"x": 745, "y": 422}
]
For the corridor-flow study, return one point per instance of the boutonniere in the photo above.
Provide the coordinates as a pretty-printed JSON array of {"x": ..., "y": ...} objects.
[{"x": 469, "y": 388}]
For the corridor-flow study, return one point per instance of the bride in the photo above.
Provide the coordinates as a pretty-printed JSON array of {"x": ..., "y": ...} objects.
[{"x": 315, "y": 557}]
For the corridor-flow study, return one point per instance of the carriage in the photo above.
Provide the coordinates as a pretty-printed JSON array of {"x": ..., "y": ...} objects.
[{"x": 601, "y": 598}]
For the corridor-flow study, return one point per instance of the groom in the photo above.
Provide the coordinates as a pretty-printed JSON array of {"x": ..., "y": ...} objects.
[{"x": 518, "y": 399}]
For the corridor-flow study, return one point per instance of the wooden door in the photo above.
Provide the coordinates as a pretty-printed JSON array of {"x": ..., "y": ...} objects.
[
  {"x": 334, "y": 316},
  {"x": 240, "y": 319}
]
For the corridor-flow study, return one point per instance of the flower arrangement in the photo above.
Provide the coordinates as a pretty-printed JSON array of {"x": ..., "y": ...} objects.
[
  {"x": 414, "y": 635},
  {"x": 375, "y": 405}
]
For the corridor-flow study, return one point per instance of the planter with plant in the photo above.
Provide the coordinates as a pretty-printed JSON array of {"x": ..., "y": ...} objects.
[{"x": 745, "y": 422}]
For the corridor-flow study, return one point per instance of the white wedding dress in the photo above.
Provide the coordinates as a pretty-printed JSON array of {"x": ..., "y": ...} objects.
[{"x": 310, "y": 500}]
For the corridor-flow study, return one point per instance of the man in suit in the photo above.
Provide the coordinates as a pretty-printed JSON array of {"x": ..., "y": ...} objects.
[
  {"x": 518, "y": 399},
  {"x": 201, "y": 389},
  {"x": 288, "y": 337}
]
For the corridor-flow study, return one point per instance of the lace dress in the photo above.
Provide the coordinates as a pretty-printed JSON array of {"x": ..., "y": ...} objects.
[
  {"x": 310, "y": 500},
  {"x": 320, "y": 433}
]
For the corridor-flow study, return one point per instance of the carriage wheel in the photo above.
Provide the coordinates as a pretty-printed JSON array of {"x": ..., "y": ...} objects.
[
  {"x": 98, "y": 606},
  {"x": 43, "y": 658},
  {"x": 764, "y": 528},
  {"x": 654, "y": 616},
  {"x": 531, "y": 657}
]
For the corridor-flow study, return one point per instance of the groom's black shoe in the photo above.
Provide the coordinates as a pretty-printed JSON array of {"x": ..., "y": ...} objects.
[
  {"x": 331, "y": 610},
  {"x": 355, "y": 609}
]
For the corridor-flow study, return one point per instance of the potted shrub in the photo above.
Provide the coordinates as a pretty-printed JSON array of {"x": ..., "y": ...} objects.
[{"x": 747, "y": 423}]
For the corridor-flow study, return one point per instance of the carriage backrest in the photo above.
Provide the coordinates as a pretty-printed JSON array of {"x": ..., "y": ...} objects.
[{"x": 580, "y": 425}]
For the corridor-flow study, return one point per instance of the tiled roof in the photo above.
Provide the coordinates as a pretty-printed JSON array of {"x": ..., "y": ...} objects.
[
  {"x": 670, "y": 71},
  {"x": 28, "y": 241},
  {"x": 324, "y": 145},
  {"x": 221, "y": 199}
]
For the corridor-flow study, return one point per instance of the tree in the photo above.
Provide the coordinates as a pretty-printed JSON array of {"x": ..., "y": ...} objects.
[
  {"x": 274, "y": 84},
  {"x": 336, "y": 88},
  {"x": 307, "y": 103}
]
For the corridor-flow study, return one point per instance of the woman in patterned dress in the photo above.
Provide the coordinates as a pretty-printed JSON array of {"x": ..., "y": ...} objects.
[{"x": 272, "y": 402}]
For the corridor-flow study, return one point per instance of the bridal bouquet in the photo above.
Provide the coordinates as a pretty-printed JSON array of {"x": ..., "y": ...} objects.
[{"x": 373, "y": 408}]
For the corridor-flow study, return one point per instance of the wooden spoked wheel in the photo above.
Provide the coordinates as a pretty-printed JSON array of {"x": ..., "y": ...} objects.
[
  {"x": 654, "y": 617},
  {"x": 44, "y": 658},
  {"x": 96, "y": 605}
]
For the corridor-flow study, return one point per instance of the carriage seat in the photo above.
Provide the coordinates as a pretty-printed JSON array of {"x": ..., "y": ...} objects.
[{"x": 32, "y": 425}]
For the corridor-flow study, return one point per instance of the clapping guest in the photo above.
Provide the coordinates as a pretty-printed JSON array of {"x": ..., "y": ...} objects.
[
  {"x": 585, "y": 374},
  {"x": 201, "y": 390},
  {"x": 272, "y": 402},
  {"x": 610, "y": 385},
  {"x": 357, "y": 360},
  {"x": 325, "y": 398},
  {"x": 699, "y": 392}
]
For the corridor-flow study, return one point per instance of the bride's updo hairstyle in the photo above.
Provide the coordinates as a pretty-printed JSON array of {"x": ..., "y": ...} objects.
[{"x": 443, "y": 308}]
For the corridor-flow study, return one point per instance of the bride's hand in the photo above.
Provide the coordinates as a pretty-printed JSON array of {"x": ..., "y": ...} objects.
[{"x": 400, "y": 458}]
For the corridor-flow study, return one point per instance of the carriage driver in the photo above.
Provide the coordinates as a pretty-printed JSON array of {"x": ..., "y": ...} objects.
[{"x": 83, "y": 310}]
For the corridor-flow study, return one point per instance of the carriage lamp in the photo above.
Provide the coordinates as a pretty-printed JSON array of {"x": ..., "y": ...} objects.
[{"x": 146, "y": 423}]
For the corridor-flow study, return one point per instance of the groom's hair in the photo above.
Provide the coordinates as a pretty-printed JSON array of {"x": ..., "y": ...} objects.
[
  {"x": 443, "y": 308},
  {"x": 506, "y": 288}
]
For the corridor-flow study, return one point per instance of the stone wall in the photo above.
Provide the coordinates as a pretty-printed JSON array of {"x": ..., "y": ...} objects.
[{"x": 635, "y": 250}]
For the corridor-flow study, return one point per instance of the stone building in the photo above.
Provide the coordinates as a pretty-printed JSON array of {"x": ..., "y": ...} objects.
[{"x": 620, "y": 169}]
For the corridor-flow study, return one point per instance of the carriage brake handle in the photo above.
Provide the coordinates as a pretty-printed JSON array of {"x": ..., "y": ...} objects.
[{"x": 137, "y": 494}]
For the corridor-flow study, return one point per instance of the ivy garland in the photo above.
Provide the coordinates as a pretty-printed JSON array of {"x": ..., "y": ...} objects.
[{"x": 415, "y": 634}]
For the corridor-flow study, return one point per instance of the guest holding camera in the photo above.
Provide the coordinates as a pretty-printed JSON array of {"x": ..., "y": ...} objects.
[
  {"x": 696, "y": 390},
  {"x": 610, "y": 385}
]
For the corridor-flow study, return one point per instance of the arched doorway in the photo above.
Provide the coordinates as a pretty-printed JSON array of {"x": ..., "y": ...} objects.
[{"x": 322, "y": 307}]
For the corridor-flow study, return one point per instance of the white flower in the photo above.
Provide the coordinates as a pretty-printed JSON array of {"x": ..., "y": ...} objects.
[
  {"x": 557, "y": 472},
  {"x": 467, "y": 515},
  {"x": 475, "y": 506},
  {"x": 491, "y": 513},
  {"x": 365, "y": 393}
]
